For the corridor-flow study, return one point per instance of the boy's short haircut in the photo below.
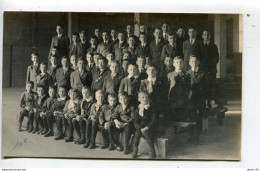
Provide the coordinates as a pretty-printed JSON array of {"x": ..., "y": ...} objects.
[
  {"x": 177, "y": 58},
  {"x": 143, "y": 92},
  {"x": 35, "y": 54},
  {"x": 141, "y": 56},
  {"x": 86, "y": 88},
  {"x": 83, "y": 32},
  {"x": 62, "y": 86},
  {"x": 30, "y": 82},
  {"x": 157, "y": 28},
  {"x": 127, "y": 60},
  {"x": 132, "y": 36},
  {"x": 81, "y": 59},
  {"x": 98, "y": 28},
  {"x": 113, "y": 29},
  {"x": 151, "y": 66},
  {"x": 171, "y": 33},
  {"x": 120, "y": 31},
  {"x": 102, "y": 58},
  {"x": 74, "y": 90},
  {"x": 61, "y": 25},
  {"x": 192, "y": 27},
  {"x": 115, "y": 62},
  {"x": 40, "y": 86},
  {"x": 64, "y": 57},
  {"x": 168, "y": 55},
  {"x": 112, "y": 95},
  {"x": 110, "y": 52},
  {"x": 124, "y": 94},
  {"x": 93, "y": 37},
  {"x": 97, "y": 54},
  {"x": 73, "y": 56},
  {"x": 100, "y": 92},
  {"x": 52, "y": 87},
  {"x": 90, "y": 53},
  {"x": 105, "y": 31},
  {"x": 75, "y": 34},
  {"x": 43, "y": 63},
  {"x": 129, "y": 53},
  {"x": 55, "y": 56},
  {"x": 131, "y": 65},
  {"x": 193, "y": 56}
]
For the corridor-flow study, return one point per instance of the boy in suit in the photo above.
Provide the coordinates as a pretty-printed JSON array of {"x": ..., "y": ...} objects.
[
  {"x": 107, "y": 126},
  {"x": 179, "y": 83},
  {"x": 82, "y": 45},
  {"x": 141, "y": 67},
  {"x": 132, "y": 48},
  {"x": 98, "y": 34},
  {"x": 209, "y": 64},
  {"x": 80, "y": 77},
  {"x": 130, "y": 32},
  {"x": 73, "y": 62},
  {"x": 93, "y": 44},
  {"x": 112, "y": 81},
  {"x": 124, "y": 68},
  {"x": 63, "y": 74},
  {"x": 80, "y": 121},
  {"x": 100, "y": 74},
  {"x": 93, "y": 120},
  {"x": 123, "y": 118},
  {"x": 180, "y": 39},
  {"x": 58, "y": 115},
  {"x": 71, "y": 111},
  {"x": 120, "y": 46},
  {"x": 192, "y": 46},
  {"x": 90, "y": 62},
  {"x": 131, "y": 84},
  {"x": 61, "y": 41},
  {"x": 55, "y": 52},
  {"x": 171, "y": 48},
  {"x": 106, "y": 45},
  {"x": 38, "y": 108},
  {"x": 144, "y": 123},
  {"x": 75, "y": 41},
  {"x": 143, "y": 48},
  {"x": 27, "y": 104},
  {"x": 47, "y": 112},
  {"x": 127, "y": 55},
  {"x": 44, "y": 78},
  {"x": 197, "y": 97},
  {"x": 33, "y": 70},
  {"x": 166, "y": 67},
  {"x": 165, "y": 30},
  {"x": 110, "y": 57},
  {"x": 156, "y": 47},
  {"x": 113, "y": 34},
  {"x": 52, "y": 70}
]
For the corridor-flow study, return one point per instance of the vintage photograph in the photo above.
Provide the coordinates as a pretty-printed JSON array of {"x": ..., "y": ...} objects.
[{"x": 122, "y": 86}]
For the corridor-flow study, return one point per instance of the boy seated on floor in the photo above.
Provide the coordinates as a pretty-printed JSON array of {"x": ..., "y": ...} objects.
[
  {"x": 108, "y": 128},
  {"x": 27, "y": 104},
  {"x": 71, "y": 111},
  {"x": 123, "y": 118},
  {"x": 58, "y": 107},
  {"x": 144, "y": 123},
  {"x": 47, "y": 112}
]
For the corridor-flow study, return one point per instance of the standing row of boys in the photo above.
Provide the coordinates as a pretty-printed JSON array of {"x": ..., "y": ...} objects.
[{"x": 151, "y": 80}]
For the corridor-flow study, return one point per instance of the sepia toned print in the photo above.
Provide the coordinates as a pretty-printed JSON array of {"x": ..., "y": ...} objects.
[{"x": 158, "y": 86}]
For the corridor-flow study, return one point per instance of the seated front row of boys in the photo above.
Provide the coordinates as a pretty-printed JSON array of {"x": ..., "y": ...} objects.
[{"x": 88, "y": 115}]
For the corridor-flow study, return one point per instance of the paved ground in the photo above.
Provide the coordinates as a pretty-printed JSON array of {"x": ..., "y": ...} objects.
[{"x": 220, "y": 142}]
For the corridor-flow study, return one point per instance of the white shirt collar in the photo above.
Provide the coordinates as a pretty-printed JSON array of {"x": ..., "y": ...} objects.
[
  {"x": 88, "y": 99},
  {"x": 136, "y": 76},
  {"x": 151, "y": 79},
  {"x": 61, "y": 98}
]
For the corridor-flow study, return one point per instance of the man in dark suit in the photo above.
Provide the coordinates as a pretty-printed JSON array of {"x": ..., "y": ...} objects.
[
  {"x": 61, "y": 41},
  {"x": 106, "y": 46},
  {"x": 192, "y": 46},
  {"x": 113, "y": 34},
  {"x": 75, "y": 41},
  {"x": 132, "y": 48},
  {"x": 83, "y": 45},
  {"x": 143, "y": 49},
  {"x": 130, "y": 32},
  {"x": 98, "y": 34},
  {"x": 165, "y": 30},
  {"x": 170, "y": 49},
  {"x": 180, "y": 39},
  {"x": 156, "y": 47},
  {"x": 63, "y": 74},
  {"x": 80, "y": 77},
  {"x": 120, "y": 46},
  {"x": 209, "y": 63}
]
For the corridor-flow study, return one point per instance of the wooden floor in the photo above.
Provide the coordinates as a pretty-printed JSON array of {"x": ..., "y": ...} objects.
[{"x": 219, "y": 142}]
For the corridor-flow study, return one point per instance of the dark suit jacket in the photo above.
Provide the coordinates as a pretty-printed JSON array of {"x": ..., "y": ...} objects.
[
  {"x": 118, "y": 49},
  {"x": 156, "y": 51},
  {"x": 131, "y": 88},
  {"x": 126, "y": 115},
  {"x": 133, "y": 53},
  {"x": 143, "y": 51},
  {"x": 39, "y": 103},
  {"x": 63, "y": 79},
  {"x": 73, "y": 49},
  {"x": 63, "y": 45},
  {"x": 52, "y": 71},
  {"x": 179, "y": 46},
  {"x": 103, "y": 49},
  {"x": 45, "y": 81},
  {"x": 92, "y": 50},
  {"x": 148, "y": 119},
  {"x": 168, "y": 50},
  {"x": 85, "y": 107},
  {"x": 98, "y": 79},
  {"x": 32, "y": 73},
  {"x": 82, "y": 50},
  {"x": 106, "y": 114},
  {"x": 77, "y": 81},
  {"x": 111, "y": 85},
  {"x": 210, "y": 58},
  {"x": 188, "y": 50}
]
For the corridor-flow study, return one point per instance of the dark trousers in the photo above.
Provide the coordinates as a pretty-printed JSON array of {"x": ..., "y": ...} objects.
[
  {"x": 92, "y": 128},
  {"x": 45, "y": 123},
  {"x": 50, "y": 120},
  {"x": 147, "y": 135},
  {"x": 128, "y": 130},
  {"x": 23, "y": 113},
  {"x": 80, "y": 127},
  {"x": 210, "y": 85},
  {"x": 31, "y": 119},
  {"x": 109, "y": 134},
  {"x": 196, "y": 112},
  {"x": 38, "y": 121},
  {"x": 70, "y": 124},
  {"x": 59, "y": 120}
]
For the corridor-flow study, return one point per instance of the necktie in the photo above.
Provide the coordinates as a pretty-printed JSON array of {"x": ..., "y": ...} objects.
[{"x": 132, "y": 79}]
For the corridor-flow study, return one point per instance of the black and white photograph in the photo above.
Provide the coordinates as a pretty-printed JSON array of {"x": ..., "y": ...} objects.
[{"x": 122, "y": 85}]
